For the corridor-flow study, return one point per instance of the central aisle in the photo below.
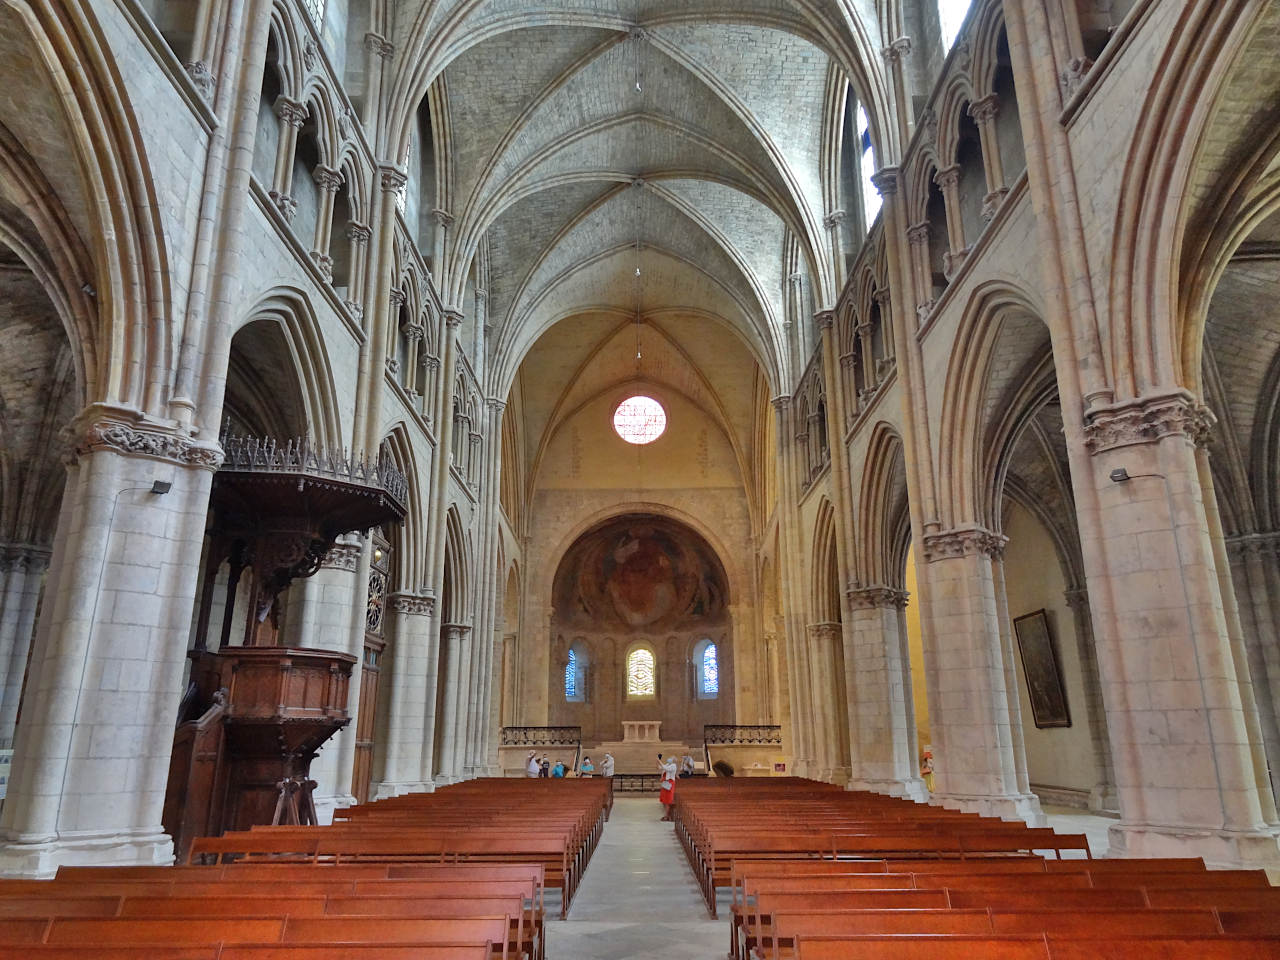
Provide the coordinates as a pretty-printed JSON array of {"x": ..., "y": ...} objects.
[{"x": 638, "y": 897}]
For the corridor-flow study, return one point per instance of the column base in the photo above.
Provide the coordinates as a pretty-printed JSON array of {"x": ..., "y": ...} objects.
[
  {"x": 444, "y": 779},
  {"x": 912, "y": 788},
  {"x": 1104, "y": 799},
  {"x": 1016, "y": 806},
  {"x": 1232, "y": 849},
  {"x": 388, "y": 789},
  {"x": 41, "y": 860},
  {"x": 325, "y": 806}
]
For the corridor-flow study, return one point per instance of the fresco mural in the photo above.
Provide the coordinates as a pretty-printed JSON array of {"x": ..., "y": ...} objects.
[{"x": 641, "y": 581}]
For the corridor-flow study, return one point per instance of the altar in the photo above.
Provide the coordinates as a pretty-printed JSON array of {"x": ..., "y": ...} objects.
[{"x": 641, "y": 731}]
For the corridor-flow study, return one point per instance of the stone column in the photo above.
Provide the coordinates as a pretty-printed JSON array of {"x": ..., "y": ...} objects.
[
  {"x": 881, "y": 711},
  {"x": 984, "y": 113},
  {"x": 497, "y": 665},
  {"x": 1103, "y": 795},
  {"x": 91, "y": 758},
  {"x": 895, "y": 54},
  {"x": 321, "y": 617},
  {"x": 835, "y": 224},
  {"x": 330, "y": 182},
  {"x": 292, "y": 116},
  {"x": 1255, "y": 577},
  {"x": 453, "y": 638},
  {"x": 799, "y": 724},
  {"x": 358, "y": 235},
  {"x": 970, "y": 707},
  {"x": 826, "y": 644},
  {"x": 412, "y": 691},
  {"x": 918, "y": 266},
  {"x": 1184, "y": 729},
  {"x": 22, "y": 568},
  {"x": 948, "y": 179}
]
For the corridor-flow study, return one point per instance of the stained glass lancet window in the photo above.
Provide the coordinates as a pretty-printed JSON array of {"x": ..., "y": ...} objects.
[
  {"x": 710, "y": 671},
  {"x": 640, "y": 674},
  {"x": 871, "y": 200},
  {"x": 571, "y": 676},
  {"x": 640, "y": 420},
  {"x": 951, "y": 14},
  {"x": 315, "y": 9}
]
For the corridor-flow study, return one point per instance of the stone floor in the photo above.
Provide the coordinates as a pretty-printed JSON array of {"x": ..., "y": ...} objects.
[{"x": 638, "y": 897}]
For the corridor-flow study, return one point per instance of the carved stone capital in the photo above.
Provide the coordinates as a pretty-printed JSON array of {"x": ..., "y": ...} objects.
[
  {"x": 199, "y": 73},
  {"x": 824, "y": 319},
  {"x": 882, "y": 297},
  {"x": 924, "y": 310},
  {"x": 453, "y": 318},
  {"x": 986, "y": 109},
  {"x": 287, "y": 206},
  {"x": 834, "y": 219},
  {"x": 952, "y": 261},
  {"x": 392, "y": 179},
  {"x": 398, "y": 297},
  {"x": 796, "y": 279},
  {"x": 433, "y": 363},
  {"x": 24, "y": 557},
  {"x": 948, "y": 178},
  {"x": 342, "y": 556},
  {"x": 414, "y": 332},
  {"x": 324, "y": 263},
  {"x": 877, "y": 598},
  {"x": 992, "y": 201},
  {"x": 152, "y": 444},
  {"x": 1148, "y": 420},
  {"x": 393, "y": 365},
  {"x": 496, "y": 405},
  {"x": 443, "y": 217},
  {"x": 826, "y": 632},
  {"x": 290, "y": 111},
  {"x": 358, "y": 233},
  {"x": 897, "y": 51},
  {"x": 918, "y": 234},
  {"x": 964, "y": 542},
  {"x": 379, "y": 45},
  {"x": 327, "y": 178},
  {"x": 1254, "y": 545},
  {"x": 1077, "y": 598},
  {"x": 885, "y": 180},
  {"x": 355, "y": 309},
  {"x": 482, "y": 295},
  {"x": 865, "y": 329},
  {"x": 781, "y": 404},
  {"x": 1073, "y": 75},
  {"x": 413, "y": 606}
]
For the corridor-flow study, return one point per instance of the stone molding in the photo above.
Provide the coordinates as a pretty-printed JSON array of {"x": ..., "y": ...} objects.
[
  {"x": 877, "y": 598},
  {"x": 324, "y": 263},
  {"x": 287, "y": 206},
  {"x": 964, "y": 542},
  {"x": 24, "y": 557},
  {"x": 152, "y": 444},
  {"x": 342, "y": 556},
  {"x": 1077, "y": 598},
  {"x": 413, "y": 606},
  {"x": 1148, "y": 420}
]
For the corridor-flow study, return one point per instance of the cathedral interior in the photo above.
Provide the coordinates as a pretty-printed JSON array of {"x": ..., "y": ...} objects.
[{"x": 879, "y": 392}]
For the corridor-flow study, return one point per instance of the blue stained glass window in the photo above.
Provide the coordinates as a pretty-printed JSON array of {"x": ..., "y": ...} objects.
[
  {"x": 571, "y": 676},
  {"x": 710, "y": 671}
]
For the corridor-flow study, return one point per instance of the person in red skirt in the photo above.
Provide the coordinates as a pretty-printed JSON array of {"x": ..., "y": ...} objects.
[{"x": 668, "y": 795}]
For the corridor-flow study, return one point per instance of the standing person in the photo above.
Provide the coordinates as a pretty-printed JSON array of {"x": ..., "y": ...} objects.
[
  {"x": 687, "y": 766},
  {"x": 557, "y": 772},
  {"x": 588, "y": 768},
  {"x": 668, "y": 794},
  {"x": 544, "y": 768},
  {"x": 606, "y": 768},
  {"x": 531, "y": 766}
]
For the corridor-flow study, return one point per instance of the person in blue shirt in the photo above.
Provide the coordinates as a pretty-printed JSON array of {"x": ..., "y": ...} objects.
[
  {"x": 558, "y": 769},
  {"x": 588, "y": 768}
]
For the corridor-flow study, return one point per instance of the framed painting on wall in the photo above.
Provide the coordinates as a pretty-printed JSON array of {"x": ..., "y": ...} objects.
[{"x": 1040, "y": 668}]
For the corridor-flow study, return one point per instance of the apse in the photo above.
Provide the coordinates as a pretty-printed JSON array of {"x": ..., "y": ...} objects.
[{"x": 641, "y": 631}]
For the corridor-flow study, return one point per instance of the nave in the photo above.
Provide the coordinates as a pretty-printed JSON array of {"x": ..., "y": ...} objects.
[{"x": 774, "y": 868}]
